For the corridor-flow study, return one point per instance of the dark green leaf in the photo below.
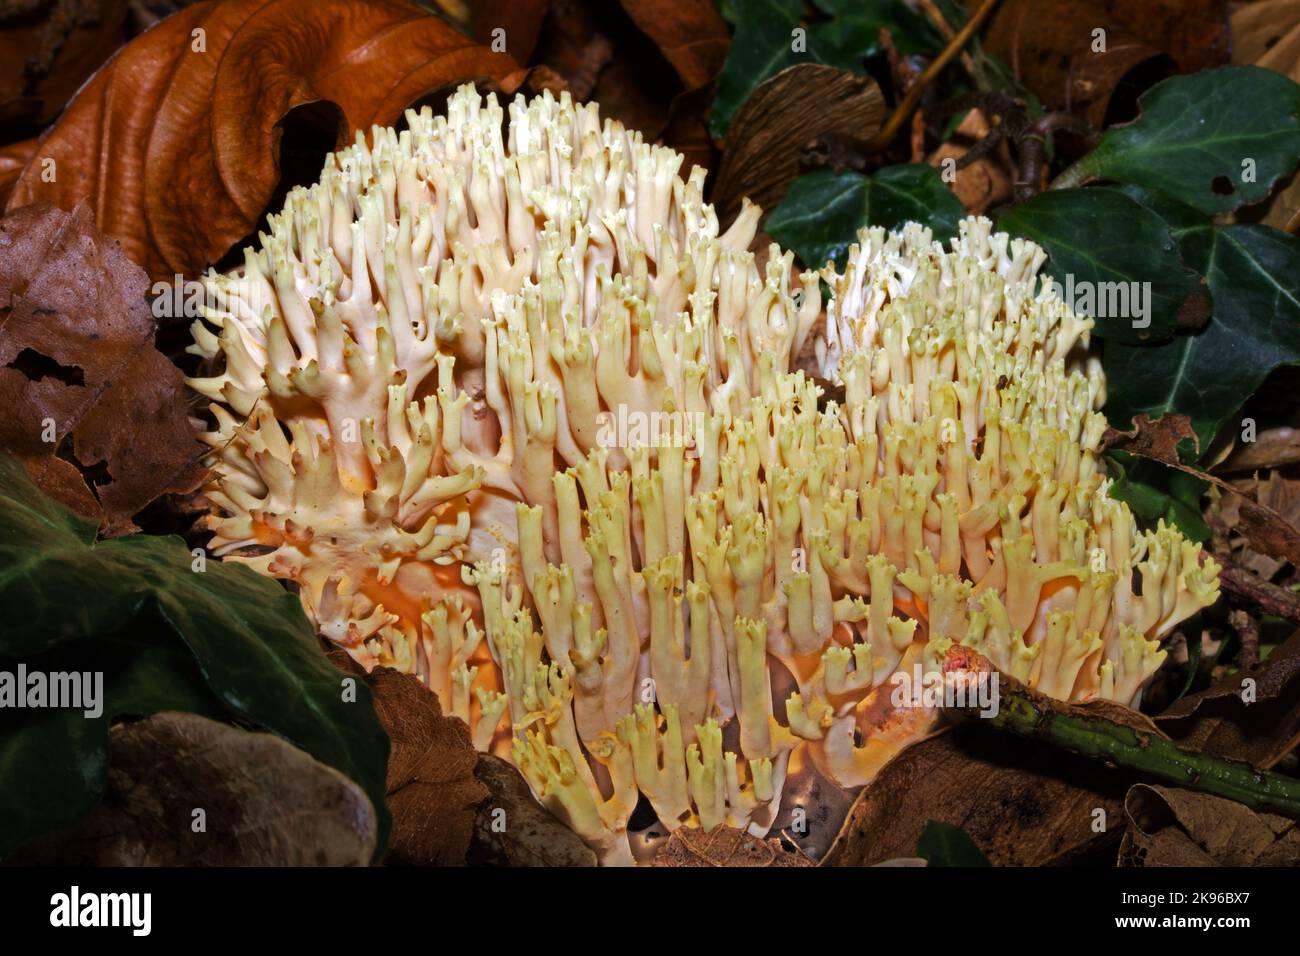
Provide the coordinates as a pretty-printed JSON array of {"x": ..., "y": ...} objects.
[
  {"x": 760, "y": 48},
  {"x": 1155, "y": 492},
  {"x": 852, "y": 34},
  {"x": 942, "y": 844},
  {"x": 53, "y": 764},
  {"x": 1195, "y": 650},
  {"x": 822, "y": 211},
  {"x": 844, "y": 42},
  {"x": 1216, "y": 140},
  {"x": 249, "y": 637},
  {"x": 1115, "y": 260},
  {"x": 54, "y": 760},
  {"x": 1252, "y": 274}
]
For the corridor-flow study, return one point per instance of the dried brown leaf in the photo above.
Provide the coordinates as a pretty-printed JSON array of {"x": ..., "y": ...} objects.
[
  {"x": 1267, "y": 34},
  {"x": 513, "y": 829},
  {"x": 77, "y": 352},
  {"x": 432, "y": 790},
  {"x": 519, "y": 20},
  {"x": 1150, "y": 438},
  {"x": 783, "y": 115},
  {"x": 1024, "y": 803},
  {"x": 725, "y": 846},
  {"x": 1194, "y": 32},
  {"x": 175, "y": 143},
  {"x": 1277, "y": 492},
  {"x": 1048, "y": 44},
  {"x": 1263, "y": 527},
  {"x": 265, "y": 803},
  {"x": 692, "y": 36},
  {"x": 987, "y": 181},
  {"x": 1253, "y": 715},
  {"x": 47, "y": 50},
  {"x": 1173, "y": 827},
  {"x": 1272, "y": 448}
]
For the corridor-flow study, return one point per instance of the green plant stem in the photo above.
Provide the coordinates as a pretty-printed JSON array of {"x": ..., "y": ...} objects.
[
  {"x": 1076, "y": 174},
  {"x": 1027, "y": 715}
]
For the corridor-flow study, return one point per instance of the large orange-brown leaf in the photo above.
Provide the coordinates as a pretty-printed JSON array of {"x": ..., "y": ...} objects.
[
  {"x": 12, "y": 160},
  {"x": 80, "y": 380},
  {"x": 519, "y": 20},
  {"x": 175, "y": 143}
]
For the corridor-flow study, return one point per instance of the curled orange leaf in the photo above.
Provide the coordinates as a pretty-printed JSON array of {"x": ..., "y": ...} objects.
[{"x": 175, "y": 143}]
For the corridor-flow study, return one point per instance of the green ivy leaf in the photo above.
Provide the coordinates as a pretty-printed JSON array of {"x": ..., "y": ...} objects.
[
  {"x": 247, "y": 635},
  {"x": 1196, "y": 133},
  {"x": 1254, "y": 328},
  {"x": 822, "y": 211},
  {"x": 942, "y": 844},
  {"x": 1110, "y": 254},
  {"x": 761, "y": 47}
]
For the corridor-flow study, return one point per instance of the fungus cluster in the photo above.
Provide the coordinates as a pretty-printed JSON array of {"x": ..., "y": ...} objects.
[{"x": 515, "y": 416}]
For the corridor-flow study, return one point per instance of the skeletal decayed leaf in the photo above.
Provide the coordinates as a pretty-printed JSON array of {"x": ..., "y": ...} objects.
[
  {"x": 517, "y": 417},
  {"x": 1173, "y": 827},
  {"x": 174, "y": 143},
  {"x": 1267, "y": 34},
  {"x": 726, "y": 846}
]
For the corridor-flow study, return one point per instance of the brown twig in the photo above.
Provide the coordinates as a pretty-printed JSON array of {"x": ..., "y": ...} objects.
[
  {"x": 913, "y": 96},
  {"x": 1247, "y": 629},
  {"x": 941, "y": 24},
  {"x": 1032, "y": 149},
  {"x": 1268, "y": 597}
]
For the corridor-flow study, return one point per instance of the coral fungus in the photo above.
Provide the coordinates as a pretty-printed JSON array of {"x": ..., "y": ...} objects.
[{"x": 515, "y": 416}]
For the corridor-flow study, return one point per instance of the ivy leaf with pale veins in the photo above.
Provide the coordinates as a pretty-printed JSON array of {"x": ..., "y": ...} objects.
[
  {"x": 1217, "y": 139},
  {"x": 823, "y": 210},
  {"x": 1116, "y": 260}
]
